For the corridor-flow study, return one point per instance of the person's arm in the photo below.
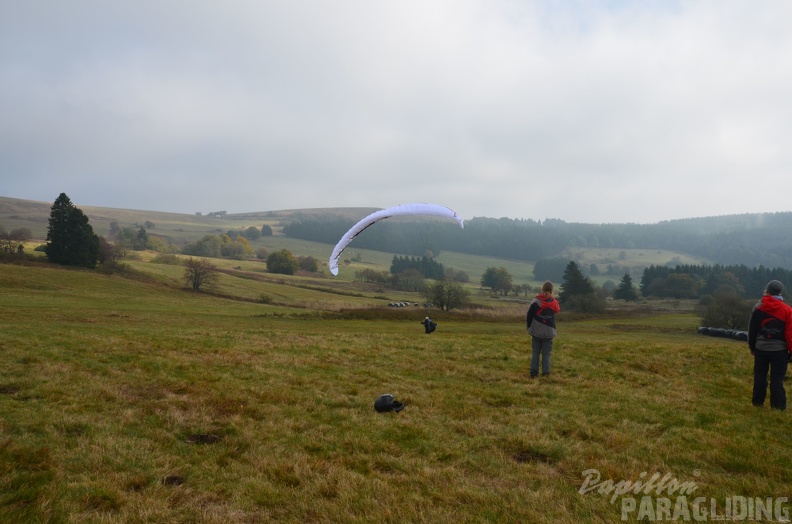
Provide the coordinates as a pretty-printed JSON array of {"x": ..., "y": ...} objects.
[
  {"x": 531, "y": 313},
  {"x": 753, "y": 330},
  {"x": 788, "y": 331}
]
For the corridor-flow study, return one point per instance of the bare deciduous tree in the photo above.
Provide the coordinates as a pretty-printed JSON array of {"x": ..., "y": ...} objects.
[
  {"x": 12, "y": 243},
  {"x": 109, "y": 253},
  {"x": 447, "y": 295},
  {"x": 200, "y": 274}
]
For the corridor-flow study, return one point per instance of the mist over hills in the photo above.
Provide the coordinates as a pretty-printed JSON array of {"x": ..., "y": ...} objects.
[{"x": 754, "y": 239}]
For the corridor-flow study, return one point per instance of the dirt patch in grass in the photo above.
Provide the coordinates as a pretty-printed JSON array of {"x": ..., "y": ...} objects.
[
  {"x": 644, "y": 327},
  {"x": 532, "y": 456},
  {"x": 173, "y": 480},
  {"x": 204, "y": 438}
]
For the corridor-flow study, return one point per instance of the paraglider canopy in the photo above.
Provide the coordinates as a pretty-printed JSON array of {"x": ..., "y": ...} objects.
[{"x": 403, "y": 209}]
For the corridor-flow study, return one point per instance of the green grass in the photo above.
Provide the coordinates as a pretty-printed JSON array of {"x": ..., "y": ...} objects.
[
  {"x": 629, "y": 257},
  {"x": 138, "y": 401},
  {"x": 630, "y": 260}
]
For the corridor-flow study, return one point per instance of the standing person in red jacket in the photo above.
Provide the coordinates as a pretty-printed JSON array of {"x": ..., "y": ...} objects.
[
  {"x": 770, "y": 341},
  {"x": 542, "y": 328}
]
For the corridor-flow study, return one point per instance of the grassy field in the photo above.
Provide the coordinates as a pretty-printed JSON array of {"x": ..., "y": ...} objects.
[{"x": 135, "y": 400}]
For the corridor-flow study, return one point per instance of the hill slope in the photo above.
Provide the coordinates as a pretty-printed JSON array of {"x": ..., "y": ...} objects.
[
  {"x": 180, "y": 229},
  {"x": 750, "y": 239}
]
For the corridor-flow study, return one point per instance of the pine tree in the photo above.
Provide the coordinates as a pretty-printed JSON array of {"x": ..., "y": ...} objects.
[
  {"x": 625, "y": 289},
  {"x": 575, "y": 283},
  {"x": 71, "y": 240},
  {"x": 578, "y": 293}
]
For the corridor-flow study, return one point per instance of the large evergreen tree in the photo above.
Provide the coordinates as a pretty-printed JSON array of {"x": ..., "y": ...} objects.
[
  {"x": 575, "y": 282},
  {"x": 625, "y": 290},
  {"x": 577, "y": 291},
  {"x": 71, "y": 240}
]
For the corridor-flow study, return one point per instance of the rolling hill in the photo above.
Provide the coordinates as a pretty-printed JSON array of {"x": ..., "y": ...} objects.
[
  {"x": 180, "y": 229},
  {"x": 485, "y": 242}
]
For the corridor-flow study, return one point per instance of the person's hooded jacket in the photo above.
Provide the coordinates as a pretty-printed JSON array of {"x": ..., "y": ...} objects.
[
  {"x": 771, "y": 325},
  {"x": 541, "y": 317}
]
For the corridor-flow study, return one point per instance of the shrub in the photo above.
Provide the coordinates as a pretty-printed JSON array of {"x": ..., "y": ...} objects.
[
  {"x": 725, "y": 309},
  {"x": 164, "y": 258}
]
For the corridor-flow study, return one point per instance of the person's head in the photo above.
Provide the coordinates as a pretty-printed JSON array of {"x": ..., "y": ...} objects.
[
  {"x": 774, "y": 287},
  {"x": 547, "y": 287}
]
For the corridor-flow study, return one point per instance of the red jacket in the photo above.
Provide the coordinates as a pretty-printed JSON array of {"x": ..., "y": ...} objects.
[
  {"x": 771, "y": 325},
  {"x": 541, "y": 317}
]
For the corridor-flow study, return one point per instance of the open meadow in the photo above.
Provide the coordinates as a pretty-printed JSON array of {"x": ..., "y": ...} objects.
[{"x": 131, "y": 399}]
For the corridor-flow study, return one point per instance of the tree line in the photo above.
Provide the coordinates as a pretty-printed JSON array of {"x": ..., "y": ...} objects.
[
  {"x": 696, "y": 281},
  {"x": 426, "y": 266},
  {"x": 749, "y": 239}
]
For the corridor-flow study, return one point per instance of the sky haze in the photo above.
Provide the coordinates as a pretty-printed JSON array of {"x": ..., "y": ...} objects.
[{"x": 587, "y": 111}]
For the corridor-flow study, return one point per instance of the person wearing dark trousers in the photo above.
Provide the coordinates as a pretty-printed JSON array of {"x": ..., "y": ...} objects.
[
  {"x": 770, "y": 340},
  {"x": 542, "y": 328}
]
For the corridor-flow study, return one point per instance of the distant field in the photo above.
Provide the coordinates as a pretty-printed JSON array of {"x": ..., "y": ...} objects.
[
  {"x": 631, "y": 260},
  {"x": 631, "y": 257},
  {"x": 136, "y": 400}
]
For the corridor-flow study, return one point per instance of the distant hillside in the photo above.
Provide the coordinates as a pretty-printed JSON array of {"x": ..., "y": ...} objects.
[
  {"x": 34, "y": 215},
  {"x": 350, "y": 213},
  {"x": 749, "y": 239},
  {"x": 176, "y": 227}
]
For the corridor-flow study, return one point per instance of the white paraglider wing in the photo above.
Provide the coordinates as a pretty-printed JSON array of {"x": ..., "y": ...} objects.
[{"x": 404, "y": 209}]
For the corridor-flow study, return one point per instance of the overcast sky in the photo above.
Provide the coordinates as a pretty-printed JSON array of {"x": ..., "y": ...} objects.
[{"x": 587, "y": 111}]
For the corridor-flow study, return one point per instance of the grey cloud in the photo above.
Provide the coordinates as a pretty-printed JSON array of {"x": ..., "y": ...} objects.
[{"x": 590, "y": 111}]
